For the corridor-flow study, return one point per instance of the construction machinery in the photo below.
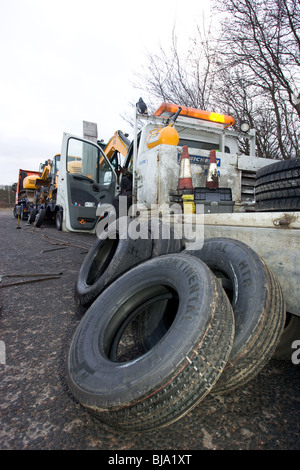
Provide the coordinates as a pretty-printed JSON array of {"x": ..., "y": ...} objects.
[
  {"x": 91, "y": 175},
  {"x": 44, "y": 203},
  {"x": 44, "y": 206},
  {"x": 69, "y": 188},
  {"x": 116, "y": 147},
  {"x": 116, "y": 150},
  {"x": 24, "y": 189}
]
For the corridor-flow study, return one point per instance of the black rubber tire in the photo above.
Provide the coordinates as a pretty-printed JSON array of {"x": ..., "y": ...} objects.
[
  {"x": 15, "y": 211},
  {"x": 278, "y": 205},
  {"x": 40, "y": 216},
  {"x": 59, "y": 220},
  {"x": 277, "y": 186},
  {"x": 164, "y": 238},
  {"x": 156, "y": 388},
  {"x": 258, "y": 307},
  {"x": 126, "y": 202},
  {"x": 278, "y": 171},
  {"x": 290, "y": 333},
  {"x": 107, "y": 259},
  {"x": 32, "y": 215},
  {"x": 154, "y": 322},
  {"x": 278, "y": 190}
]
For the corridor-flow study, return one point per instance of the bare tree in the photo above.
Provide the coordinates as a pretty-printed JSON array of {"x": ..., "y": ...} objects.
[
  {"x": 185, "y": 77},
  {"x": 250, "y": 70},
  {"x": 264, "y": 37},
  {"x": 261, "y": 38}
]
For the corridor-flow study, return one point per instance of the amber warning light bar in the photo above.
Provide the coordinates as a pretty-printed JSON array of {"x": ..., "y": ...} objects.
[{"x": 170, "y": 109}]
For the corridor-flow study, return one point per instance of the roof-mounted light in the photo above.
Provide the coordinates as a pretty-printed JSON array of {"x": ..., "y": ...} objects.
[
  {"x": 245, "y": 126},
  {"x": 168, "y": 109},
  {"x": 141, "y": 106}
]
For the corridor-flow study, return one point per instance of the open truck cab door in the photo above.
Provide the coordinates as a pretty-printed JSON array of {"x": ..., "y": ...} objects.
[{"x": 86, "y": 179}]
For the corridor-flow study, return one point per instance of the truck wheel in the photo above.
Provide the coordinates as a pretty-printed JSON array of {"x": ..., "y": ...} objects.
[
  {"x": 258, "y": 307},
  {"x": 15, "y": 211},
  {"x": 58, "y": 220},
  {"x": 277, "y": 186},
  {"x": 40, "y": 216},
  {"x": 24, "y": 215},
  {"x": 141, "y": 392},
  {"x": 290, "y": 333},
  {"x": 108, "y": 258}
]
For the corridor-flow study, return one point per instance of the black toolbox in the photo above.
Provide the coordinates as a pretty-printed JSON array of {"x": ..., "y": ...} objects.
[{"x": 215, "y": 201}]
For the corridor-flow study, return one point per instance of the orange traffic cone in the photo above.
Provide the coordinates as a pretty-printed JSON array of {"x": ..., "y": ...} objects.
[
  {"x": 185, "y": 176},
  {"x": 212, "y": 180}
]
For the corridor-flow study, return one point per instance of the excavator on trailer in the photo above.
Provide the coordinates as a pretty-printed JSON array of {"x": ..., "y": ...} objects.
[
  {"x": 44, "y": 204},
  {"x": 24, "y": 190},
  {"x": 116, "y": 150}
]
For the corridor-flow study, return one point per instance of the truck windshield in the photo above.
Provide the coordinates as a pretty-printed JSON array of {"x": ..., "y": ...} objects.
[{"x": 201, "y": 145}]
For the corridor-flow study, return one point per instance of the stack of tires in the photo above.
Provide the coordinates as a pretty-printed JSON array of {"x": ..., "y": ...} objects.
[{"x": 166, "y": 326}]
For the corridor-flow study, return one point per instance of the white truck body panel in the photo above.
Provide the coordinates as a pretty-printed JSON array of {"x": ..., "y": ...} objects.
[{"x": 157, "y": 169}]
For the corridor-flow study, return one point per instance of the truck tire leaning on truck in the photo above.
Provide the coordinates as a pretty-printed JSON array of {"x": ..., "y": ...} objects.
[
  {"x": 277, "y": 186},
  {"x": 148, "y": 391},
  {"x": 258, "y": 306},
  {"x": 257, "y": 303},
  {"x": 108, "y": 258}
]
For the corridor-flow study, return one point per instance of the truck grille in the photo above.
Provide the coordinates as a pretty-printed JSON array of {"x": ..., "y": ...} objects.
[{"x": 247, "y": 186}]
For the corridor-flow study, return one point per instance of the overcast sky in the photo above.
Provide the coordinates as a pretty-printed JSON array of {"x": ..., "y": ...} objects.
[{"x": 66, "y": 61}]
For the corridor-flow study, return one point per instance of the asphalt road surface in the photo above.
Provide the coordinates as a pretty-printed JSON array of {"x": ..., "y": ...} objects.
[{"x": 37, "y": 411}]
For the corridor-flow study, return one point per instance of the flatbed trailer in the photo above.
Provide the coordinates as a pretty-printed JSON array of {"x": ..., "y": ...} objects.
[{"x": 274, "y": 236}]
